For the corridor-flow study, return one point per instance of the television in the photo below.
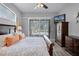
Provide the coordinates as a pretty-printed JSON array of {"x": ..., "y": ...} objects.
[{"x": 59, "y": 18}]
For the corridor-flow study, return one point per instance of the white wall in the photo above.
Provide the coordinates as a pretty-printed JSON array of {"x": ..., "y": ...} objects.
[
  {"x": 25, "y": 22},
  {"x": 71, "y": 12},
  {"x": 15, "y": 10},
  {"x": 6, "y": 21}
]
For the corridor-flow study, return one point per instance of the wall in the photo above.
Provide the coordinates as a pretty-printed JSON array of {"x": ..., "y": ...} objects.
[
  {"x": 6, "y": 21},
  {"x": 15, "y": 10},
  {"x": 25, "y": 22},
  {"x": 71, "y": 12}
]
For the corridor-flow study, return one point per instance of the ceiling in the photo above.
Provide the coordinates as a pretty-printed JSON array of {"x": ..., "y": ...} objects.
[{"x": 30, "y": 7}]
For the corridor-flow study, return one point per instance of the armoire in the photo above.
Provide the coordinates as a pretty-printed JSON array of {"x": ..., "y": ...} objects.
[{"x": 61, "y": 32}]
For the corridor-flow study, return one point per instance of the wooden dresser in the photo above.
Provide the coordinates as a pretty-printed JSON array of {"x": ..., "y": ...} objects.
[{"x": 72, "y": 45}]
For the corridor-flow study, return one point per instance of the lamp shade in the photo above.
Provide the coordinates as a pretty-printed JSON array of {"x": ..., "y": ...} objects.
[{"x": 19, "y": 28}]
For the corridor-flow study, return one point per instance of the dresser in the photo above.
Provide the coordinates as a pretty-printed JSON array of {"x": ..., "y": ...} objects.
[
  {"x": 61, "y": 32},
  {"x": 72, "y": 45}
]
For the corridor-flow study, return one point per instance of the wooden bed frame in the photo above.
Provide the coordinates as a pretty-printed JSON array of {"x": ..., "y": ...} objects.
[
  {"x": 49, "y": 45},
  {"x": 51, "y": 49},
  {"x": 9, "y": 26},
  {"x": 47, "y": 40}
]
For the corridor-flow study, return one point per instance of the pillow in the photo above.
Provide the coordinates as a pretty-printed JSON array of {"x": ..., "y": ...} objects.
[
  {"x": 1, "y": 41},
  {"x": 20, "y": 37},
  {"x": 23, "y": 35},
  {"x": 16, "y": 37},
  {"x": 2, "y": 38},
  {"x": 11, "y": 40}
]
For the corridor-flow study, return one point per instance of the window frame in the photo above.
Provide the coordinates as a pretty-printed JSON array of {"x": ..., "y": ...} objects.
[{"x": 39, "y": 19}]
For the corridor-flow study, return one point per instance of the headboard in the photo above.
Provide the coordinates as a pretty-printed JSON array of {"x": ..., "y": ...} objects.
[{"x": 7, "y": 29}]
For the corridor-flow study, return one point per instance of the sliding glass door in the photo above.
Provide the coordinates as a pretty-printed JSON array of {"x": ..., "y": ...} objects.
[{"x": 39, "y": 27}]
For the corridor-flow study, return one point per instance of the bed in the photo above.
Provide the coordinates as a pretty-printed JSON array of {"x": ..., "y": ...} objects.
[{"x": 29, "y": 46}]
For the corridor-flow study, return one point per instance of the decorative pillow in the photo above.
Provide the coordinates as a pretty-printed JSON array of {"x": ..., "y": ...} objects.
[
  {"x": 20, "y": 37},
  {"x": 16, "y": 37},
  {"x": 11, "y": 40},
  {"x": 1, "y": 41},
  {"x": 2, "y": 38},
  {"x": 23, "y": 35}
]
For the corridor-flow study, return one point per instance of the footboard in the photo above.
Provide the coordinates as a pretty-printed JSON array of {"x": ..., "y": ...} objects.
[
  {"x": 51, "y": 49},
  {"x": 49, "y": 45}
]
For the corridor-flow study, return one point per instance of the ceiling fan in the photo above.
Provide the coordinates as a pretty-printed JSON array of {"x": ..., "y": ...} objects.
[{"x": 38, "y": 5}]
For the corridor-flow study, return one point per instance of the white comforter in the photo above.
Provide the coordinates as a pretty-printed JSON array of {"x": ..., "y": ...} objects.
[{"x": 30, "y": 46}]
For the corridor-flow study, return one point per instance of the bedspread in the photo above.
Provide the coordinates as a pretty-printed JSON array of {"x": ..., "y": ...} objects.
[{"x": 30, "y": 46}]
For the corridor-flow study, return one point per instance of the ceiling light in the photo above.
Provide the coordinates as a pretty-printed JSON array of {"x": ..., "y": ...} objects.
[{"x": 39, "y": 5}]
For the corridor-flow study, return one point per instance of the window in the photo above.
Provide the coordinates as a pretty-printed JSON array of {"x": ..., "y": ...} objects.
[
  {"x": 6, "y": 13},
  {"x": 39, "y": 27}
]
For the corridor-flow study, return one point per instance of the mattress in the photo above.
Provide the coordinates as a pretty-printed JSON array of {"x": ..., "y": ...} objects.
[{"x": 30, "y": 46}]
